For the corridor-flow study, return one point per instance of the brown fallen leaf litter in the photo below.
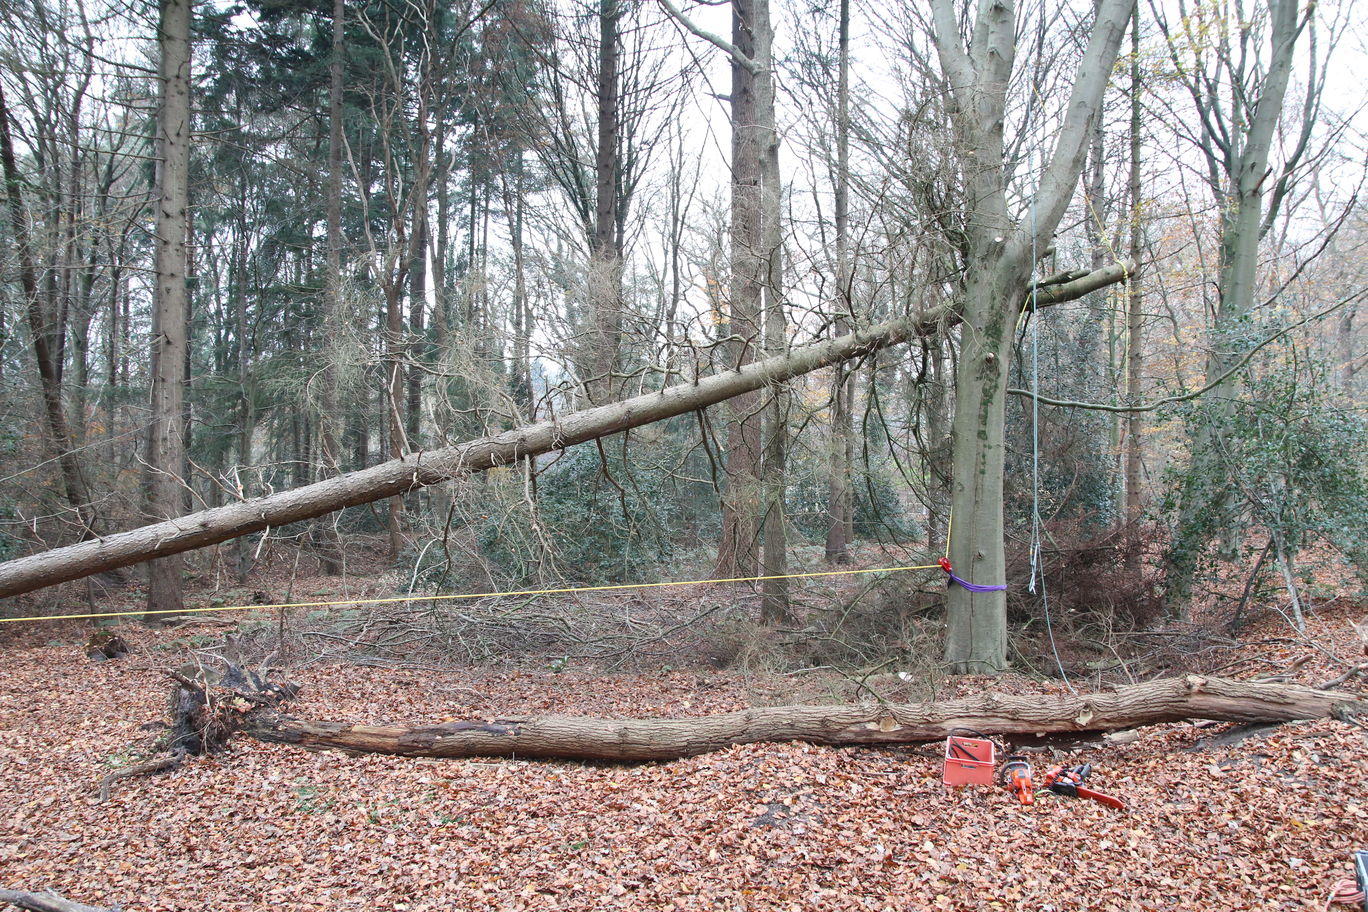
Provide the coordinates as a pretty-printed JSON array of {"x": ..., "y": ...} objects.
[{"x": 1265, "y": 823}]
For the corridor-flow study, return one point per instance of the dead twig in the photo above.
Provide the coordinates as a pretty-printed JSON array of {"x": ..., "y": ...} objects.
[
  {"x": 146, "y": 768},
  {"x": 1356, "y": 671}
]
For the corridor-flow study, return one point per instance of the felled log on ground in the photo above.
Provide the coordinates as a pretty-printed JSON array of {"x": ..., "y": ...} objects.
[
  {"x": 46, "y": 901},
  {"x": 583, "y": 738}
]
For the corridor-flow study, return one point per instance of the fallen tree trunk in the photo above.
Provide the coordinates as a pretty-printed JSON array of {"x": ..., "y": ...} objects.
[
  {"x": 47, "y": 901},
  {"x": 582, "y": 738},
  {"x": 417, "y": 470}
]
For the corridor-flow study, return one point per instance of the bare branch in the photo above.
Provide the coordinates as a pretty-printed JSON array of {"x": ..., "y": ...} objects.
[
  {"x": 1185, "y": 397},
  {"x": 715, "y": 40}
]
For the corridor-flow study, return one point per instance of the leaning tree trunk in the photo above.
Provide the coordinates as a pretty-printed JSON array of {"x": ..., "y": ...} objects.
[
  {"x": 417, "y": 470},
  {"x": 636, "y": 740}
]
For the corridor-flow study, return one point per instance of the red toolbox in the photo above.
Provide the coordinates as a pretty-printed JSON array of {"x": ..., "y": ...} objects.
[{"x": 968, "y": 761}]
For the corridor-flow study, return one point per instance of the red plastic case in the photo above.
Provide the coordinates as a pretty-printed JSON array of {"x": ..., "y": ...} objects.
[{"x": 968, "y": 761}]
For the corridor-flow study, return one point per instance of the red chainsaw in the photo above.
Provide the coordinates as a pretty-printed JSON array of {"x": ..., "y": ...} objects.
[
  {"x": 1068, "y": 781},
  {"x": 1015, "y": 775}
]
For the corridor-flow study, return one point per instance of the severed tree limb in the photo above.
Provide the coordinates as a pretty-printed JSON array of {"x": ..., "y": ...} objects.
[
  {"x": 636, "y": 740},
  {"x": 1353, "y": 672},
  {"x": 145, "y": 768},
  {"x": 417, "y": 470},
  {"x": 47, "y": 901}
]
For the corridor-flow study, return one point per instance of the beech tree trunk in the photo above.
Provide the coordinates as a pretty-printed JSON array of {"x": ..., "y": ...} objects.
[
  {"x": 637, "y": 740},
  {"x": 417, "y": 470},
  {"x": 1249, "y": 186},
  {"x": 1002, "y": 249}
]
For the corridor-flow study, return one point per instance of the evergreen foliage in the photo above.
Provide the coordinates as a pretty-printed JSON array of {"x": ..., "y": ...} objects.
[{"x": 1292, "y": 466}]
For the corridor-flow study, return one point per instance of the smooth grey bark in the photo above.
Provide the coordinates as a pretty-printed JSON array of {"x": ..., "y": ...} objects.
[
  {"x": 999, "y": 256},
  {"x": 169, "y": 345},
  {"x": 418, "y": 470}
]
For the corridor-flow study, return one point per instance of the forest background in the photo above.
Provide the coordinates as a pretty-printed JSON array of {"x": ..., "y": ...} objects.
[{"x": 326, "y": 236}]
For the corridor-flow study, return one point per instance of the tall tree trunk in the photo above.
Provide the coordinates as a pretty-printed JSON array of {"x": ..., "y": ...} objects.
[
  {"x": 1134, "y": 313},
  {"x": 418, "y": 259},
  {"x": 45, "y": 331},
  {"x": 1240, "y": 151},
  {"x": 605, "y": 255},
  {"x": 166, "y": 435},
  {"x": 774, "y": 605},
  {"x": 522, "y": 309},
  {"x": 1000, "y": 252},
  {"x": 110, "y": 395},
  {"x": 393, "y": 400},
  {"x": 246, "y": 419},
  {"x": 976, "y": 634},
  {"x": 839, "y": 500},
  {"x": 334, "y": 308},
  {"x": 738, "y": 550}
]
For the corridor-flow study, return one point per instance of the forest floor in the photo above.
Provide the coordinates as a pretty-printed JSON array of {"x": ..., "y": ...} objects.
[{"x": 1214, "y": 821}]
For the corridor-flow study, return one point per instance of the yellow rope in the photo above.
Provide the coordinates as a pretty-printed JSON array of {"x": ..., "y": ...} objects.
[{"x": 472, "y": 595}]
